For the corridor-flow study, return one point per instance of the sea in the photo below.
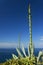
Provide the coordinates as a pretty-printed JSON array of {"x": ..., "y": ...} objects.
[{"x": 7, "y": 53}]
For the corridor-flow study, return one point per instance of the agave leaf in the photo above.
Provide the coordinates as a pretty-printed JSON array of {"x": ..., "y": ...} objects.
[
  {"x": 28, "y": 49},
  {"x": 14, "y": 56},
  {"x": 39, "y": 55},
  {"x": 23, "y": 50},
  {"x": 19, "y": 53},
  {"x": 7, "y": 60}
]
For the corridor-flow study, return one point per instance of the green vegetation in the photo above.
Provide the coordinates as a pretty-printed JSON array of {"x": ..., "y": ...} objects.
[{"x": 21, "y": 61}]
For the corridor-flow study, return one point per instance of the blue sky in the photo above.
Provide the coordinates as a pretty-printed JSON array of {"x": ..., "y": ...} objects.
[{"x": 14, "y": 21}]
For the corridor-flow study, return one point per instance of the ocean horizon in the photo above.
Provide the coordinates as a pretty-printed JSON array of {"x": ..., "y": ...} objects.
[{"x": 6, "y": 53}]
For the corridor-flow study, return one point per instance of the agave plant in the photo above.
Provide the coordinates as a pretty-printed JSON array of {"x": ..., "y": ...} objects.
[
  {"x": 31, "y": 47},
  {"x": 23, "y": 50}
]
